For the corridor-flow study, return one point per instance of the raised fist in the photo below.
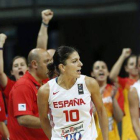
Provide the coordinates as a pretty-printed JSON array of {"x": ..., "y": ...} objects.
[
  {"x": 2, "y": 39},
  {"x": 126, "y": 52},
  {"x": 47, "y": 16}
]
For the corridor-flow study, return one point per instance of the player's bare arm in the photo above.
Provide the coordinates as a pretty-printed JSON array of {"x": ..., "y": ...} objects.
[
  {"x": 93, "y": 87},
  {"x": 134, "y": 110},
  {"x": 29, "y": 121},
  {"x": 126, "y": 52},
  {"x": 43, "y": 106},
  {"x": 117, "y": 111},
  {"x": 42, "y": 39},
  {"x": 4, "y": 131},
  {"x": 3, "y": 77}
]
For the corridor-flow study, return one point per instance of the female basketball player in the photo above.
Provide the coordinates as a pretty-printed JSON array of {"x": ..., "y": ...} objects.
[
  {"x": 111, "y": 96},
  {"x": 19, "y": 67},
  {"x": 68, "y": 99},
  {"x": 125, "y": 83}
]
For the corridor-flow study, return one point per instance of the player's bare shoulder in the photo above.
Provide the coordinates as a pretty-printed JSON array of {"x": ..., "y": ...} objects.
[
  {"x": 132, "y": 89},
  {"x": 132, "y": 92},
  {"x": 91, "y": 83},
  {"x": 44, "y": 89}
]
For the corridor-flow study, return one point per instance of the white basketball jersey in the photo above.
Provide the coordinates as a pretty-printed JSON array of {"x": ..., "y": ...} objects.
[
  {"x": 71, "y": 115},
  {"x": 137, "y": 86}
]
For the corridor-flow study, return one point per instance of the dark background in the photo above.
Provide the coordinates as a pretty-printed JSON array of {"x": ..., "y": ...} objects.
[{"x": 99, "y": 29}]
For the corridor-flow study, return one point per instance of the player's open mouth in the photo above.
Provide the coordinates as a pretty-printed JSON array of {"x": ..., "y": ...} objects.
[
  {"x": 21, "y": 73},
  {"x": 79, "y": 71},
  {"x": 101, "y": 74}
]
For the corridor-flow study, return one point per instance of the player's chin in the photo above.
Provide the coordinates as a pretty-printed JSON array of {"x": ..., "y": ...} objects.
[
  {"x": 101, "y": 79},
  {"x": 135, "y": 74},
  {"x": 78, "y": 75}
]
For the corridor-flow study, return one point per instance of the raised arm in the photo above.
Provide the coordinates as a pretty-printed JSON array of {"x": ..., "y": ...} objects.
[
  {"x": 118, "y": 65},
  {"x": 42, "y": 39},
  {"x": 43, "y": 106},
  {"x": 134, "y": 110},
  {"x": 3, "y": 77},
  {"x": 93, "y": 87}
]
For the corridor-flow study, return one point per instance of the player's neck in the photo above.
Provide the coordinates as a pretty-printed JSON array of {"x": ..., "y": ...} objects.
[
  {"x": 102, "y": 87},
  {"x": 66, "y": 82},
  {"x": 135, "y": 77},
  {"x": 102, "y": 83}
]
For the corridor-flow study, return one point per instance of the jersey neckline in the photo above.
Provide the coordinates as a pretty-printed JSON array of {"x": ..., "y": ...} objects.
[{"x": 56, "y": 79}]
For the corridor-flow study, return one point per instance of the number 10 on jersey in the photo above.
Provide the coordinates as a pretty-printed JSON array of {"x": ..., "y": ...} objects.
[{"x": 71, "y": 115}]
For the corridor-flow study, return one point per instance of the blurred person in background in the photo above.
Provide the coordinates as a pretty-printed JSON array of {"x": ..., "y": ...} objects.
[
  {"x": 112, "y": 98},
  {"x": 19, "y": 64},
  {"x": 68, "y": 98},
  {"x": 23, "y": 113},
  {"x": 125, "y": 83},
  {"x": 134, "y": 104}
]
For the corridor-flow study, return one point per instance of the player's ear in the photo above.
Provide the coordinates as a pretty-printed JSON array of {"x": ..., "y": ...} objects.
[{"x": 61, "y": 68}]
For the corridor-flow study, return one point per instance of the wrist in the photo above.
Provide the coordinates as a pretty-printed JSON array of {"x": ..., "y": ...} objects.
[
  {"x": 45, "y": 24},
  {"x": 1, "y": 45},
  {"x": 122, "y": 57}
]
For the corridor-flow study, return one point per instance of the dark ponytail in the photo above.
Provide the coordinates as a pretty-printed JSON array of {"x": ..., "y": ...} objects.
[{"x": 52, "y": 70}]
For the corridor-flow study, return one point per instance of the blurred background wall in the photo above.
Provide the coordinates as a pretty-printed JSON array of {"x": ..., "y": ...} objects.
[{"x": 100, "y": 29}]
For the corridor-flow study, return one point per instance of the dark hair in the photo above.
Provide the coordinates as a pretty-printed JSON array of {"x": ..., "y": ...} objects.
[
  {"x": 16, "y": 57},
  {"x": 60, "y": 57}
]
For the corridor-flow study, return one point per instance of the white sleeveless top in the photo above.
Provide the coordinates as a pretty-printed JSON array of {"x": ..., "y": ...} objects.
[
  {"x": 137, "y": 86},
  {"x": 71, "y": 115}
]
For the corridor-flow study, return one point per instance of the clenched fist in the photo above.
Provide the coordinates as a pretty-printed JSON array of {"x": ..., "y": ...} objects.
[
  {"x": 126, "y": 52},
  {"x": 47, "y": 15}
]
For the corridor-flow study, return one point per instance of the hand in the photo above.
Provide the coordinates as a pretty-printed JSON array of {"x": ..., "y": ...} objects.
[
  {"x": 114, "y": 90},
  {"x": 2, "y": 39},
  {"x": 126, "y": 52},
  {"x": 47, "y": 15}
]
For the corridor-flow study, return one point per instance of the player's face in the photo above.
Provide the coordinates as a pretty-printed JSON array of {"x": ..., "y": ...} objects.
[
  {"x": 73, "y": 65},
  {"x": 42, "y": 70},
  {"x": 100, "y": 71},
  {"x": 19, "y": 68},
  {"x": 131, "y": 67}
]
